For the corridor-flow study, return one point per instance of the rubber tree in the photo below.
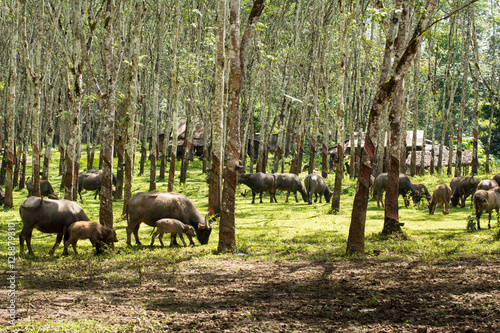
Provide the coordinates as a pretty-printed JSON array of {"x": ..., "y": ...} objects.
[{"x": 385, "y": 93}]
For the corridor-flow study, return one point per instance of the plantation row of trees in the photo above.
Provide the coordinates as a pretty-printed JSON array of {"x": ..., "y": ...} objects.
[{"x": 116, "y": 74}]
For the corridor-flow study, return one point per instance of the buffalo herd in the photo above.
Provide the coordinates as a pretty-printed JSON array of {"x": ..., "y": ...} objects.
[{"x": 175, "y": 214}]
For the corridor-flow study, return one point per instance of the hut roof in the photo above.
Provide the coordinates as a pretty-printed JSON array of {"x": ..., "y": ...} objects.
[{"x": 466, "y": 158}]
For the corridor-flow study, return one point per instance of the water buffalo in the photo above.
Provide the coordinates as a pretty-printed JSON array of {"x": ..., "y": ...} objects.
[
  {"x": 48, "y": 216},
  {"x": 442, "y": 195},
  {"x": 95, "y": 232},
  {"x": 259, "y": 183},
  {"x": 486, "y": 201},
  {"x": 149, "y": 207},
  {"x": 315, "y": 184},
  {"x": 464, "y": 187},
  {"x": 46, "y": 189},
  {"x": 173, "y": 227},
  {"x": 405, "y": 188},
  {"x": 91, "y": 181},
  {"x": 487, "y": 184},
  {"x": 497, "y": 178},
  {"x": 422, "y": 191},
  {"x": 290, "y": 182}
]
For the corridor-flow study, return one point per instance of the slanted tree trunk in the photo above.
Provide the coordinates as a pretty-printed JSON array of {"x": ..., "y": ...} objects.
[
  {"x": 112, "y": 68},
  {"x": 391, "y": 218},
  {"x": 11, "y": 107},
  {"x": 131, "y": 105},
  {"x": 475, "y": 134},
  {"x": 217, "y": 153},
  {"x": 339, "y": 173},
  {"x": 356, "y": 238},
  {"x": 447, "y": 87},
  {"x": 155, "y": 110},
  {"x": 174, "y": 100},
  {"x": 413, "y": 166},
  {"x": 464, "y": 95},
  {"x": 227, "y": 237},
  {"x": 75, "y": 94}
]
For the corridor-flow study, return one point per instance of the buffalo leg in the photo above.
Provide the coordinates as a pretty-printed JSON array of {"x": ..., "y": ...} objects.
[
  {"x": 153, "y": 238},
  {"x": 253, "y": 196},
  {"x": 182, "y": 239},
  {"x": 160, "y": 238},
  {"x": 260, "y": 197},
  {"x": 58, "y": 241},
  {"x": 136, "y": 234},
  {"x": 287, "y": 195}
]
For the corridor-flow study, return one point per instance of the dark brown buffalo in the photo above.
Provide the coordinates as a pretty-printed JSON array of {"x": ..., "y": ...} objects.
[
  {"x": 464, "y": 187},
  {"x": 405, "y": 189},
  {"x": 259, "y": 183},
  {"x": 422, "y": 191},
  {"x": 149, "y": 207},
  {"x": 91, "y": 181},
  {"x": 315, "y": 184},
  {"x": 290, "y": 182},
  {"x": 48, "y": 216},
  {"x": 46, "y": 189}
]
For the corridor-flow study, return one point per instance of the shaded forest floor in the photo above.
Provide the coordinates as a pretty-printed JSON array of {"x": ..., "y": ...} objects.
[{"x": 243, "y": 294}]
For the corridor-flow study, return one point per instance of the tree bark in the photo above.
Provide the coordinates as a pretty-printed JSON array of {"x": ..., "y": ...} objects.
[
  {"x": 131, "y": 106},
  {"x": 11, "y": 108},
  {"x": 391, "y": 217},
  {"x": 464, "y": 94},
  {"x": 174, "y": 107},
  {"x": 217, "y": 153},
  {"x": 238, "y": 56},
  {"x": 112, "y": 68},
  {"x": 356, "y": 238}
]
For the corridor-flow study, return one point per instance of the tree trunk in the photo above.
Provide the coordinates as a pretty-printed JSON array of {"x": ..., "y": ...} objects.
[
  {"x": 133, "y": 92},
  {"x": 174, "y": 100},
  {"x": 413, "y": 166},
  {"x": 112, "y": 67},
  {"x": 356, "y": 238},
  {"x": 465, "y": 93},
  {"x": 391, "y": 217},
  {"x": 227, "y": 237},
  {"x": 153, "y": 154},
  {"x": 475, "y": 133},
  {"x": 11, "y": 109},
  {"x": 217, "y": 153}
]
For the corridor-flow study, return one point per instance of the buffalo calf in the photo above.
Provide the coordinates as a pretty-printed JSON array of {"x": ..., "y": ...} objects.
[
  {"x": 173, "y": 227},
  {"x": 442, "y": 195},
  {"x": 95, "y": 232}
]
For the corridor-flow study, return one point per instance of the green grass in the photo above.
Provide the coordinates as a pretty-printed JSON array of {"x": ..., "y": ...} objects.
[{"x": 274, "y": 232}]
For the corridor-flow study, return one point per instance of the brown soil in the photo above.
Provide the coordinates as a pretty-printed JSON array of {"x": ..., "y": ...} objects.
[{"x": 246, "y": 295}]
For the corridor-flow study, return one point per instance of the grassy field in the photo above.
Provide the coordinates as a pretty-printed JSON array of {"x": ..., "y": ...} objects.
[{"x": 275, "y": 233}]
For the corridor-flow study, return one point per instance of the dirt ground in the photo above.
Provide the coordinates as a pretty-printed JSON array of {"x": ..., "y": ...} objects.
[{"x": 247, "y": 295}]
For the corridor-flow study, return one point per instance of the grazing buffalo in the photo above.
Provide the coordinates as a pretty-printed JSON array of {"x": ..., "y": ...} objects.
[
  {"x": 422, "y": 191},
  {"x": 290, "y": 182},
  {"x": 442, "y": 195},
  {"x": 497, "y": 178},
  {"x": 173, "y": 227},
  {"x": 46, "y": 189},
  {"x": 464, "y": 187},
  {"x": 149, "y": 207},
  {"x": 487, "y": 184},
  {"x": 95, "y": 232},
  {"x": 91, "y": 181},
  {"x": 259, "y": 183},
  {"x": 315, "y": 184},
  {"x": 486, "y": 201},
  {"x": 48, "y": 216},
  {"x": 405, "y": 188}
]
